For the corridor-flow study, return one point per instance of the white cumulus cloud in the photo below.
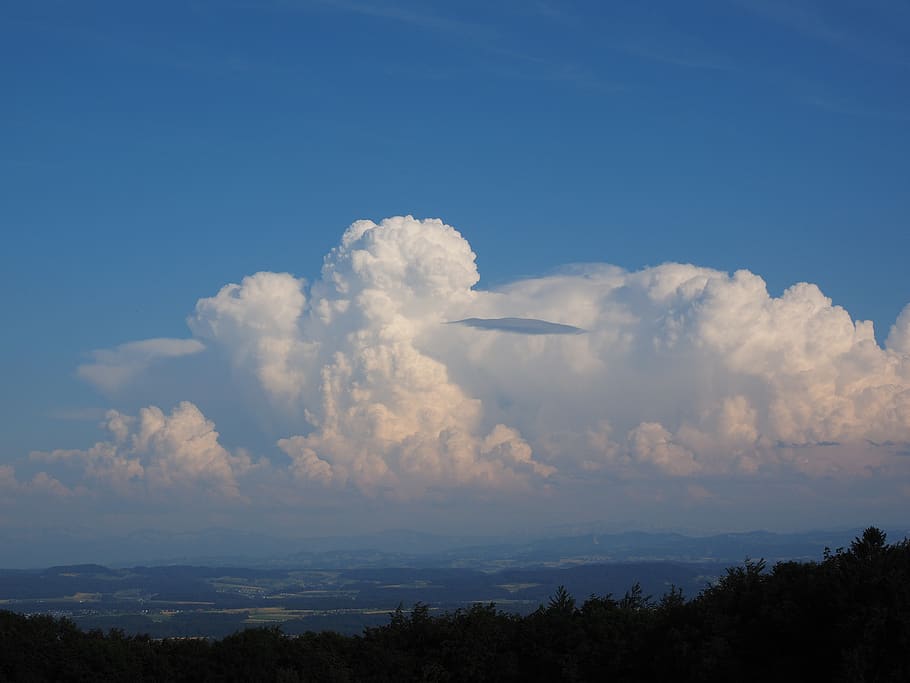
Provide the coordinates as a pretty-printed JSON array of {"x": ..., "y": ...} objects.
[
  {"x": 257, "y": 321},
  {"x": 681, "y": 372},
  {"x": 383, "y": 414},
  {"x": 12, "y": 488},
  {"x": 155, "y": 452}
]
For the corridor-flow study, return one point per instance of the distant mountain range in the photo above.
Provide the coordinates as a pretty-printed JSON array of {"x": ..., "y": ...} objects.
[{"x": 402, "y": 548}]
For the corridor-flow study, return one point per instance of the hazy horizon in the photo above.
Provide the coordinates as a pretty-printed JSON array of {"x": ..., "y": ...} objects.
[{"x": 565, "y": 547}]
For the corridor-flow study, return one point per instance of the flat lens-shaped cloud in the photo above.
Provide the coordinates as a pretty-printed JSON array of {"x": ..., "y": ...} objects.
[{"x": 519, "y": 325}]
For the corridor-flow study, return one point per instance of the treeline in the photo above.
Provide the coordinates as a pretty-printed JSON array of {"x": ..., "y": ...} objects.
[{"x": 844, "y": 618}]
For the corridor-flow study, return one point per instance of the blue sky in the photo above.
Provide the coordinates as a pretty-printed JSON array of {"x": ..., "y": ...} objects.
[{"x": 151, "y": 153}]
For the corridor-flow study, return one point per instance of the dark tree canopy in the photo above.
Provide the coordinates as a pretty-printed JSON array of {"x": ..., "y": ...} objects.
[{"x": 845, "y": 618}]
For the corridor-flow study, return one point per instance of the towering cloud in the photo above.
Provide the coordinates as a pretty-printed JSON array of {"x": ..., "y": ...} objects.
[
  {"x": 257, "y": 321},
  {"x": 899, "y": 338},
  {"x": 382, "y": 414},
  {"x": 675, "y": 371}
]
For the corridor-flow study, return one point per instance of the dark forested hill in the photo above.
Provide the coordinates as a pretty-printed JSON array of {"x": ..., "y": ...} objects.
[{"x": 845, "y": 617}]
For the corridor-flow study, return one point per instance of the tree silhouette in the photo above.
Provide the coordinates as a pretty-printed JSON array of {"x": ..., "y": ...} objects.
[{"x": 845, "y": 618}]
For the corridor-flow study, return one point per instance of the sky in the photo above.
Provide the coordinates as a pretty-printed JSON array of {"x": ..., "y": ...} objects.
[{"x": 332, "y": 267}]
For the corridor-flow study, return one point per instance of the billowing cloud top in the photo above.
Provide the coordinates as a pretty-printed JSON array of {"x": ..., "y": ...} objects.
[
  {"x": 156, "y": 452},
  {"x": 682, "y": 372}
]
